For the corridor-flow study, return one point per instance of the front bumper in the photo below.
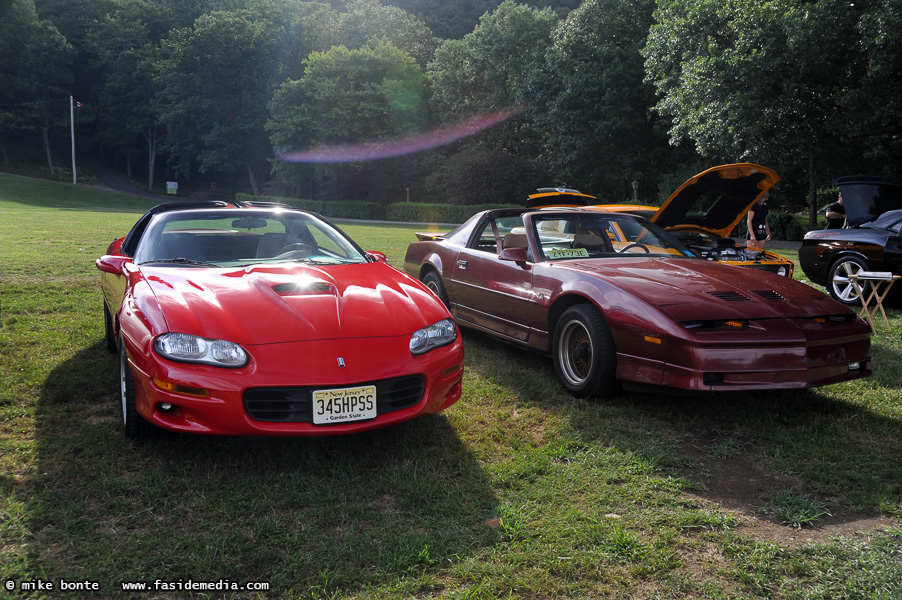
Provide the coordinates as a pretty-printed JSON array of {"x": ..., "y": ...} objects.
[
  {"x": 297, "y": 366},
  {"x": 804, "y": 356}
]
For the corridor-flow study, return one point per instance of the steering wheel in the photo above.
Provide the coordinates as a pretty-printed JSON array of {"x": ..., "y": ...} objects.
[
  {"x": 635, "y": 245},
  {"x": 300, "y": 249}
]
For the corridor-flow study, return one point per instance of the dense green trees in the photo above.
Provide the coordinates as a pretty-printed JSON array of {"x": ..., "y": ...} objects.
[
  {"x": 599, "y": 93},
  {"x": 588, "y": 98},
  {"x": 34, "y": 76},
  {"x": 781, "y": 82},
  {"x": 346, "y": 97}
]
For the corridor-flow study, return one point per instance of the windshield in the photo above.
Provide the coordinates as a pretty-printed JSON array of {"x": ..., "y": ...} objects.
[
  {"x": 230, "y": 237},
  {"x": 590, "y": 235},
  {"x": 889, "y": 220}
]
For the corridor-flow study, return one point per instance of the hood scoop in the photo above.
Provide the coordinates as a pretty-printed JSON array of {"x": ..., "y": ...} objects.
[
  {"x": 769, "y": 295},
  {"x": 731, "y": 296},
  {"x": 307, "y": 288}
]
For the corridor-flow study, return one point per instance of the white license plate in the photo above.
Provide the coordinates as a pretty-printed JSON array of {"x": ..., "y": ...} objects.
[{"x": 344, "y": 405}]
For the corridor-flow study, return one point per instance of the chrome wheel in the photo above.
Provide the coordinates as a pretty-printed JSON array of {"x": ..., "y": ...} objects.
[
  {"x": 575, "y": 352},
  {"x": 133, "y": 424},
  {"x": 583, "y": 352},
  {"x": 841, "y": 286}
]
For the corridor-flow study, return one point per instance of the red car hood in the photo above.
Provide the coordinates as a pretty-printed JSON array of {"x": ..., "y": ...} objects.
[
  {"x": 292, "y": 302},
  {"x": 697, "y": 289}
]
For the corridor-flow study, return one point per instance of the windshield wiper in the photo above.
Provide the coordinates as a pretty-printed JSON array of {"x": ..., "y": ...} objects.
[{"x": 180, "y": 261}]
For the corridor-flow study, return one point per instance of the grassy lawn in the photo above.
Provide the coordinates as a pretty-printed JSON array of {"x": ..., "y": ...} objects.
[{"x": 517, "y": 491}]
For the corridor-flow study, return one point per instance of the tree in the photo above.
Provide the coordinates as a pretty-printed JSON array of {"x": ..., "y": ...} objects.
[
  {"x": 877, "y": 104},
  {"x": 481, "y": 74},
  {"x": 371, "y": 94},
  {"x": 127, "y": 98},
  {"x": 767, "y": 81},
  {"x": 34, "y": 64},
  {"x": 589, "y": 100},
  {"x": 215, "y": 81},
  {"x": 484, "y": 71},
  {"x": 365, "y": 20}
]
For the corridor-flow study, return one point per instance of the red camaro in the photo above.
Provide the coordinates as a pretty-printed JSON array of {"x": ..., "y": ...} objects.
[
  {"x": 243, "y": 319},
  {"x": 614, "y": 298}
]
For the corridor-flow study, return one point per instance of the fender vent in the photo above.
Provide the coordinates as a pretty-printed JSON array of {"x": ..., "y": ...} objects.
[
  {"x": 769, "y": 295},
  {"x": 731, "y": 296}
]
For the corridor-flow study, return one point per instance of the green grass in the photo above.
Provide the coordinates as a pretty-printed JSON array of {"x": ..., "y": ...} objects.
[{"x": 517, "y": 491}]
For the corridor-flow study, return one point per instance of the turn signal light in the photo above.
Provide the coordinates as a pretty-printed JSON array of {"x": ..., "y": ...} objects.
[{"x": 184, "y": 390}]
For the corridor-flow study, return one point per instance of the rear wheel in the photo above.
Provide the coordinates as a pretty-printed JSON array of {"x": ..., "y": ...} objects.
[
  {"x": 583, "y": 352},
  {"x": 133, "y": 424},
  {"x": 839, "y": 282}
]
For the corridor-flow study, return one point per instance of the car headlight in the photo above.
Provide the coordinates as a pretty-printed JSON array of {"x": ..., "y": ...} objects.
[
  {"x": 425, "y": 339},
  {"x": 781, "y": 271},
  {"x": 182, "y": 347}
]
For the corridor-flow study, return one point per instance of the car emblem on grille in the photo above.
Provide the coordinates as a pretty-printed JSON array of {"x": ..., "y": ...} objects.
[{"x": 341, "y": 362}]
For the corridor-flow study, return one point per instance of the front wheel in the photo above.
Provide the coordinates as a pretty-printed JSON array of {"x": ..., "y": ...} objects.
[
  {"x": 133, "y": 424},
  {"x": 433, "y": 281},
  {"x": 839, "y": 281},
  {"x": 109, "y": 334},
  {"x": 583, "y": 352}
]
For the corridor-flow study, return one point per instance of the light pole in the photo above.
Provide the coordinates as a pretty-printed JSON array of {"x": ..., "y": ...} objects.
[
  {"x": 72, "y": 130},
  {"x": 635, "y": 190}
]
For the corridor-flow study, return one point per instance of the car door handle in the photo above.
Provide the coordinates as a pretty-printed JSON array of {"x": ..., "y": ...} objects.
[{"x": 462, "y": 264}]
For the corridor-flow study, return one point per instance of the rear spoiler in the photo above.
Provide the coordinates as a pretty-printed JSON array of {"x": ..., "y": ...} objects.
[{"x": 429, "y": 237}]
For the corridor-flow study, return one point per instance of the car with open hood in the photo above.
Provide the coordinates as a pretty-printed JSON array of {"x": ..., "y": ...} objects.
[
  {"x": 870, "y": 241},
  {"x": 257, "y": 319},
  {"x": 614, "y": 299},
  {"x": 704, "y": 211}
]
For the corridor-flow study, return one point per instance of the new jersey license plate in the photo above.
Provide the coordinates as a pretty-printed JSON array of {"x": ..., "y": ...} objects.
[{"x": 344, "y": 405}]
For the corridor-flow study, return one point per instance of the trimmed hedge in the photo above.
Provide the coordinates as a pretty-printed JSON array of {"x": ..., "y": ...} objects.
[
  {"x": 355, "y": 209},
  {"x": 414, "y": 212},
  {"x": 421, "y": 212},
  {"x": 783, "y": 226}
]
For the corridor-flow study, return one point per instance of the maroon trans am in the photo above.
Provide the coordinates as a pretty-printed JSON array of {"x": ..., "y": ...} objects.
[{"x": 615, "y": 299}]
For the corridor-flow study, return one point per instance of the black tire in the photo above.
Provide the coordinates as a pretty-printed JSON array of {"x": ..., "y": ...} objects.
[
  {"x": 583, "y": 352},
  {"x": 133, "y": 424},
  {"x": 109, "y": 335},
  {"x": 839, "y": 285},
  {"x": 433, "y": 281}
]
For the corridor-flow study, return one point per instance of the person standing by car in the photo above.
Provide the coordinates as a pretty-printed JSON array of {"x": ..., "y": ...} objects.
[
  {"x": 836, "y": 214},
  {"x": 758, "y": 225}
]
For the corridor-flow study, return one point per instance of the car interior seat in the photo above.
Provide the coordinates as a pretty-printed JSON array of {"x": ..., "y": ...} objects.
[
  {"x": 271, "y": 243},
  {"x": 591, "y": 241},
  {"x": 180, "y": 245}
]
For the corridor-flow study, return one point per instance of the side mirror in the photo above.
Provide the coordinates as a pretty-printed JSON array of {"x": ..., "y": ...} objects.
[
  {"x": 114, "y": 265},
  {"x": 517, "y": 255},
  {"x": 377, "y": 256}
]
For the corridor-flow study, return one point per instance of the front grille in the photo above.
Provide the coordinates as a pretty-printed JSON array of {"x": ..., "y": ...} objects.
[{"x": 294, "y": 404}]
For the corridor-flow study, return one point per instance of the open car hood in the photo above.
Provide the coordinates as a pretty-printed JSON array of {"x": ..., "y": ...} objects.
[
  {"x": 717, "y": 199},
  {"x": 866, "y": 198}
]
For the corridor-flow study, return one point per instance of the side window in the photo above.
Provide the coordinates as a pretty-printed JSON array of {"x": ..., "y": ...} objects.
[{"x": 510, "y": 232}]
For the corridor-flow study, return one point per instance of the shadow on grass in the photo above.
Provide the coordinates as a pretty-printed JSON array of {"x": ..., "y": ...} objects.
[
  {"x": 828, "y": 439},
  {"x": 304, "y": 514}
]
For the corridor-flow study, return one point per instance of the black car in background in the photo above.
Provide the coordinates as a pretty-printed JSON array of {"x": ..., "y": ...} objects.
[{"x": 870, "y": 240}]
